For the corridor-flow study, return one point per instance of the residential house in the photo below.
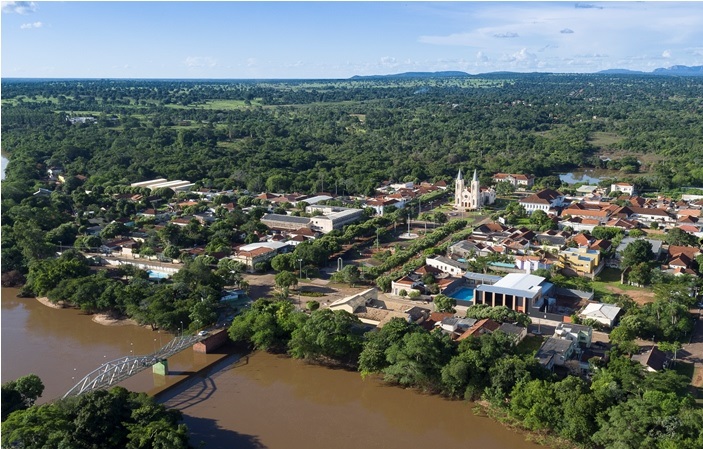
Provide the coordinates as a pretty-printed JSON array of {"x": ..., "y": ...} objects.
[
  {"x": 528, "y": 264},
  {"x": 474, "y": 279},
  {"x": 455, "y": 326},
  {"x": 652, "y": 360},
  {"x": 405, "y": 284},
  {"x": 580, "y": 261},
  {"x": 447, "y": 265},
  {"x": 484, "y": 326},
  {"x": 555, "y": 351},
  {"x": 606, "y": 314},
  {"x": 578, "y": 333},
  {"x": 622, "y": 187},
  {"x": 259, "y": 252},
  {"x": 586, "y": 211},
  {"x": 615, "y": 260},
  {"x": 545, "y": 200},
  {"x": 651, "y": 215},
  {"x": 517, "y": 332},
  {"x": 516, "y": 180}
]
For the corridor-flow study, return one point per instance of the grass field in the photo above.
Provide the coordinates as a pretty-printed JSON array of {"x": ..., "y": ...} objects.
[
  {"x": 608, "y": 283},
  {"x": 603, "y": 139},
  {"x": 220, "y": 105},
  {"x": 530, "y": 344}
]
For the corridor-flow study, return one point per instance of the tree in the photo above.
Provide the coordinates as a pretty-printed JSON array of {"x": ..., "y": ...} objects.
[
  {"x": 348, "y": 275},
  {"x": 679, "y": 237},
  {"x": 639, "y": 251},
  {"x": 285, "y": 279},
  {"x": 46, "y": 274},
  {"x": 20, "y": 394},
  {"x": 417, "y": 360},
  {"x": 106, "y": 419},
  {"x": 535, "y": 404},
  {"x": 504, "y": 188},
  {"x": 373, "y": 357},
  {"x": 641, "y": 421},
  {"x": 444, "y": 303},
  {"x": 640, "y": 274},
  {"x": 283, "y": 262},
  {"x": 327, "y": 334},
  {"x": 267, "y": 325}
]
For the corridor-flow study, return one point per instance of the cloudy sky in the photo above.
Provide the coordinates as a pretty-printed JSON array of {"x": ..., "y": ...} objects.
[{"x": 342, "y": 39}]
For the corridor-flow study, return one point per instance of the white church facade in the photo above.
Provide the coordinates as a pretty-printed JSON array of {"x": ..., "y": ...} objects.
[{"x": 471, "y": 196}]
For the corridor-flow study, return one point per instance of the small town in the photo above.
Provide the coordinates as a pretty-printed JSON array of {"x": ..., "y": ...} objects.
[
  {"x": 565, "y": 261},
  {"x": 314, "y": 225}
]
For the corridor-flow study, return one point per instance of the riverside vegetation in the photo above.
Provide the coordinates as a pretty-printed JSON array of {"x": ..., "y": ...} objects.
[{"x": 621, "y": 406}]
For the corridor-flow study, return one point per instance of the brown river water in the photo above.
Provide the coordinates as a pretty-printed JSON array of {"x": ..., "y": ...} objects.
[{"x": 260, "y": 401}]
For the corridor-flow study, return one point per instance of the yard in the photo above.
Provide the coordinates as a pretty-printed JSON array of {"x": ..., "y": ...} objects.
[
  {"x": 608, "y": 283},
  {"x": 530, "y": 344}
]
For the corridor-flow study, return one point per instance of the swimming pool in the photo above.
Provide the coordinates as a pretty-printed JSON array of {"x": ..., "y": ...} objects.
[
  {"x": 464, "y": 294},
  {"x": 158, "y": 274}
]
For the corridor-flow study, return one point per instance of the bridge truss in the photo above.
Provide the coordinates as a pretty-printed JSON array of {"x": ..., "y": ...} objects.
[{"x": 115, "y": 371}]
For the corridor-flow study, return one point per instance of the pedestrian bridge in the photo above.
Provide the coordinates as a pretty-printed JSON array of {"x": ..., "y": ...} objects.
[{"x": 115, "y": 371}]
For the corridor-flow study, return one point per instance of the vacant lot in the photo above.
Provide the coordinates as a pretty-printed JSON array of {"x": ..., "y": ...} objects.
[{"x": 609, "y": 283}]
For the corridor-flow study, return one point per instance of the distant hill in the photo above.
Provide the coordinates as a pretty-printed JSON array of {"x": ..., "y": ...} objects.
[
  {"x": 622, "y": 72},
  {"x": 677, "y": 70},
  {"x": 681, "y": 70},
  {"x": 445, "y": 74}
]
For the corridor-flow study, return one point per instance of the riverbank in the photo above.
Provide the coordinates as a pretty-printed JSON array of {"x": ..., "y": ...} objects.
[
  {"x": 45, "y": 301},
  {"x": 277, "y": 402},
  {"x": 108, "y": 320},
  {"x": 104, "y": 319}
]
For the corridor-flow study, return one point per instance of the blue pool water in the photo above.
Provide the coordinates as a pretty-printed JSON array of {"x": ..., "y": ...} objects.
[
  {"x": 464, "y": 294},
  {"x": 157, "y": 274}
]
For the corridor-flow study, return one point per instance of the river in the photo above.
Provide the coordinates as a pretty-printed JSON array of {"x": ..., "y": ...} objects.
[{"x": 263, "y": 401}]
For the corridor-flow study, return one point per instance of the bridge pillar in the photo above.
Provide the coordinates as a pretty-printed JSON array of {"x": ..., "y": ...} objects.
[{"x": 161, "y": 367}]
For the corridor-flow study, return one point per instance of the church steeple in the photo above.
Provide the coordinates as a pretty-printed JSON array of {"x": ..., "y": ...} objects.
[
  {"x": 459, "y": 177},
  {"x": 475, "y": 176}
]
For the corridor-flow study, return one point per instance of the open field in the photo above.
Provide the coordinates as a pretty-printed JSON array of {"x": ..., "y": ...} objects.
[
  {"x": 608, "y": 282},
  {"x": 604, "y": 139}
]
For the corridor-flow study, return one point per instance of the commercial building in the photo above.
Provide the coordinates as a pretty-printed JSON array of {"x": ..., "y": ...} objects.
[{"x": 516, "y": 291}]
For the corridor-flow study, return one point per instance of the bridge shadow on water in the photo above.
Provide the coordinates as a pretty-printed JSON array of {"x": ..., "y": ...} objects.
[
  {"x": 205, "y": 433},
  {"x": 200, "y": 386}
]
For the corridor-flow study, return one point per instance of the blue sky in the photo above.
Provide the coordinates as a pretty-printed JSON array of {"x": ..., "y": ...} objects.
[{"x": 342, "y": 39}]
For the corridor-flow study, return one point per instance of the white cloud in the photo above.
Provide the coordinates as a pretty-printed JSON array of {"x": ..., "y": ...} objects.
[
  {"x": 666, "y": 54},
  {"x": 481, "y": 56},
  {"x": 197, "y": 62},
  {"x": 29, "y": 26},
  {"x": 509, "y": 35},
  {"x": 586, "y": 6},
  {"x": 389, "y": 62},
  {"x": 18, "y": 7},
  {"x": 567, "y": 31}
]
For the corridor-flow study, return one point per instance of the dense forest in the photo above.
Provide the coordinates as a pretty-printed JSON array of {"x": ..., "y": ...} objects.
[
  {"x": 344, "y": 136},
  {"x": 354, "y": 133}
]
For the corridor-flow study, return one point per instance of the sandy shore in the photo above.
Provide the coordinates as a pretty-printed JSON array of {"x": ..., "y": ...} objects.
[
  {"x": 108, "y": 320},
  {"x": 44, "y": 300},
  {"x": 100, "y": 318}
]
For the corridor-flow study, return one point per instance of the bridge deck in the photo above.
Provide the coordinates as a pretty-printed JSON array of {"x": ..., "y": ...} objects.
[{"x": 115, "y": 371}]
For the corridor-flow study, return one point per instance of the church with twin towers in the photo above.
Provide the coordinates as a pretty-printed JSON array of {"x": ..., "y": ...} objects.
[{"x": 471, "y": 196}]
